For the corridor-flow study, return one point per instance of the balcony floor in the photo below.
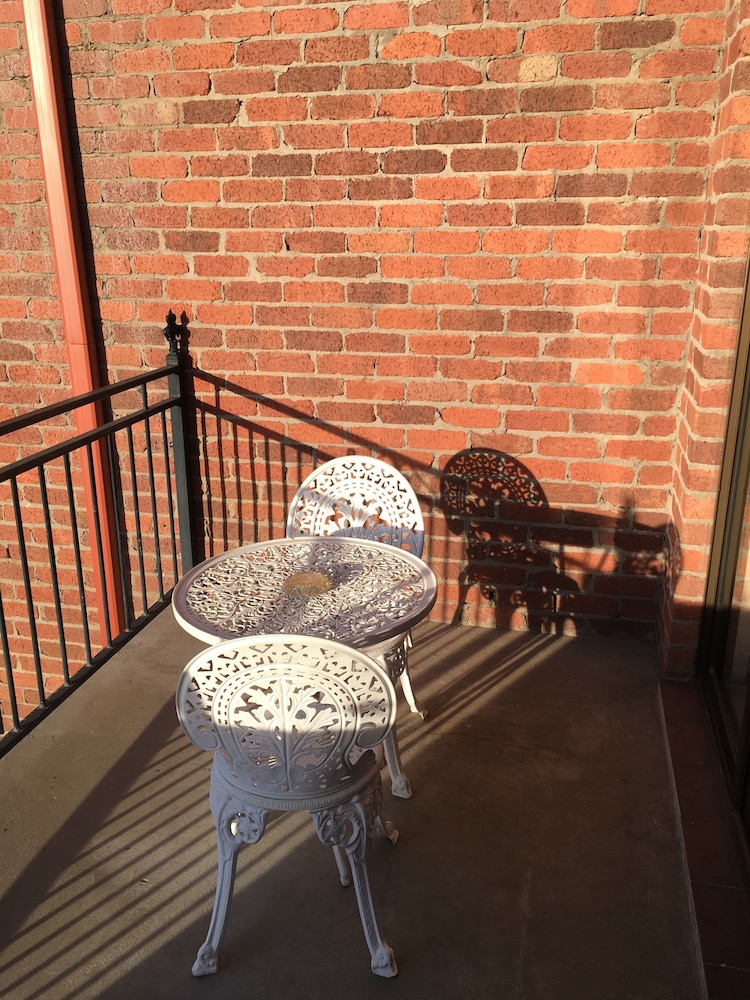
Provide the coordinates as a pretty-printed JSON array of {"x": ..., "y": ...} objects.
[{"x": 540, "y": 858}]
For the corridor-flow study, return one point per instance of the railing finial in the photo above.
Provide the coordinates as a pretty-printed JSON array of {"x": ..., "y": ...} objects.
[{"x": 177, "y": 335}]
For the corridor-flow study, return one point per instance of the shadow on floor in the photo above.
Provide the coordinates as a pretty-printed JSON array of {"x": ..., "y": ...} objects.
[{"x": 540, "y": 857}]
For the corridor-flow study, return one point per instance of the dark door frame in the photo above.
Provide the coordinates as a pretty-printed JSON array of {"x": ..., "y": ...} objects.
[{"x": 731, "y": 502}]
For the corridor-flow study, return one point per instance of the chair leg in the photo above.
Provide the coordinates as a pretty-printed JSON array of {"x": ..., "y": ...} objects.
[
  {"x": 235, "y": 825},
  {"x": 406, "y": 687},
  {"x": 396, "y": 662},
  {"x": 206, "y": 961},
  {"x": 347, "y": 827},
  {"x": 382, "y": 961},
  {"x": 345, "y": 874},
  {"x": 400, "y": 785}
]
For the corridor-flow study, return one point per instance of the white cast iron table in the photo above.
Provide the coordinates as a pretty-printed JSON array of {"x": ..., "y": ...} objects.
[{"x": 348, "y": 589}]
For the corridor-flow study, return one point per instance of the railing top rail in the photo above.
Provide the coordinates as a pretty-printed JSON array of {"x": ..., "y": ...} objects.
[
  {"x": 65, "y": 406},
  {"x": 14, "y": 469}
]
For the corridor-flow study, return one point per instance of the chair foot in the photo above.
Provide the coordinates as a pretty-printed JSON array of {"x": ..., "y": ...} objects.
[
  {"x": 206, "y": 962},
  {"x": 383, "y": 963},
  {"x": 400, "y": 786},
  {"x": 384, "y": 828}
]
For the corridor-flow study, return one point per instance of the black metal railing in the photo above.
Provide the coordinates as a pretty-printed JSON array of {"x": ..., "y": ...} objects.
[{"x": 96, "y": 531}]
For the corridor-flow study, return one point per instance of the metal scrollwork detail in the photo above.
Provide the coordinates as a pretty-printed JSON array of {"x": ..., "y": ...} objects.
[
  {"x": 241, "y": 595},
  {"x": 301, "y": 734},
  {"x": 362, "y": 498}
]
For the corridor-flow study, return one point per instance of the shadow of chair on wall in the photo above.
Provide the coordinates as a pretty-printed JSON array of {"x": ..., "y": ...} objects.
[{"x": 516, "y": 547}]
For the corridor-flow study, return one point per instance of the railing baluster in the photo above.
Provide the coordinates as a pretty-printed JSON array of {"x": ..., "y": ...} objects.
[
  {"x": 137, "y": 517},
  {"x": 120, "y": 532},
  {"x": 9, "y": 679},
  {"x": 77, "y": 556},
  {"x": 31, "y": 611},
  {"x": 99, "y": 551},
  {"x": 154, "y": 511},
  {"x": 53, "y": 575},
  {"x": 170, "y": 497},
  {"x": 253, "y": 481}
]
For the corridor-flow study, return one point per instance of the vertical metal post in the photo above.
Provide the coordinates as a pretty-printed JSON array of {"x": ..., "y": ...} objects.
[{"x": 181, "y": 393}]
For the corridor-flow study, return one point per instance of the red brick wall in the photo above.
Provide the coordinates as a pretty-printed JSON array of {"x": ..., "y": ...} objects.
[
  {"x": 433, "y": 227},
  {"x": 717, "y": 303}
]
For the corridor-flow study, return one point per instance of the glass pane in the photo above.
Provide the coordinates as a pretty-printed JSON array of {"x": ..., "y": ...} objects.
[{"x": 735, "y": 675}]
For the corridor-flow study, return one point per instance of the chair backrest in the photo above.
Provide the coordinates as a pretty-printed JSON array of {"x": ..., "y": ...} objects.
[
  {"x": 292, "y": 715},
  {"x": 360, "y": 497}
]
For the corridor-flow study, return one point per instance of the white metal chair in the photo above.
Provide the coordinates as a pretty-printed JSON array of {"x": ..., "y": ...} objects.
[
  {"x": 295, "y": 723},
  {"x": 365, "y": 498}
]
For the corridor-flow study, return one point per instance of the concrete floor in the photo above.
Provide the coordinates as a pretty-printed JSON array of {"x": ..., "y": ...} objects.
[{"x": 540, "y": 858}]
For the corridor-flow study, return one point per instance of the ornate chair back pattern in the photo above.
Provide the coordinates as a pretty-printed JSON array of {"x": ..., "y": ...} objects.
[
  {"x": 294, "y": 718},
  {"x": 361, "y": 497}
]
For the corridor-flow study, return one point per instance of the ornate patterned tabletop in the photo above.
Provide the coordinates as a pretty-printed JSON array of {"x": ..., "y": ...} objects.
[{"x": 348, "y": 589}]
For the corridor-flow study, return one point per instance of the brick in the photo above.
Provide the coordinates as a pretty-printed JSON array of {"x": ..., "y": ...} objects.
[
  {"x": 597, "y": 65},
  {"x": 522, "y": 129},
  {"x": 180, "y": 27},
  {"x": 482, "y": 102},
  {"x": 485, "y": 160},
  {"x": 671, "y": 65},
  {"x": 308, "y": 22},
  {"x": 251, "y": 191},
  {"x": 559, "y": 38},
  {"x": 479, "y": 216},
  {"x": 281, "y": 165},
  {"x": 277, "y": 52},
  {"x": 380, "y": 133},
  {"x": 217, "y": 55},
  {"x": 412, "y": 267},
  {"x": 446, "y": 241},
  {"x": 312, "y": 190},
  {"x": 241, "y": 82},
  {"x": 515, "y": 242},
  {"x": 642, "y": 33},
  {"x": 244, "y": 137},
  {"x": 314, "y": 136},
  {"x": 276, "y": 109},
  {"x": 599, "y": 185},
  {"x": 244, "y": 25},
  {"x": 413, "y": 162},
  {"x": 595, "y": 126},
  {"x": 482, "y": 42},
  {"x": 211, "y": 111},
  {"x": 344, "y": 107},
  {"x": 337, "y": 49},
  {"x": 442, "y": 188},
  {"x": 560, "y": 97},
  {"x": 309, "y": 79},
  {"x": 158, "y": 166},
  {"x": 346, "y": 216},
  {"x": 446, "y": 73},
  {"x": 411, "y": 45},
  {"x": 380, "y": 188},
  {"x": 190, "y": 191},
  {"x": 557, "y": 157},
  {"x": 674, "y": 124},
  {"x": 382, "y": 76}
]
